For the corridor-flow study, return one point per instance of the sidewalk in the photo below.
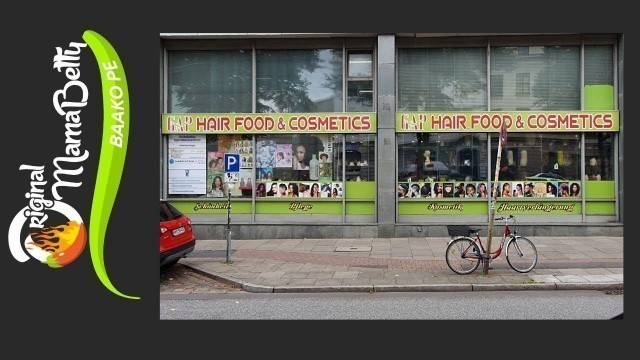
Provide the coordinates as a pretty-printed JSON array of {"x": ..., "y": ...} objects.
[{"x": 403, "y": 264}]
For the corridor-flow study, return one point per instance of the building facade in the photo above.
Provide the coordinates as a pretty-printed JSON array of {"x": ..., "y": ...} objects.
[{"x": 392, "y": 135}]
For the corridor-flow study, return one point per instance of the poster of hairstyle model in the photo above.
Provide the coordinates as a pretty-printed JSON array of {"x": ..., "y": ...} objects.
[
  {"x": 265, "y": 154},
  {"x": 325, "y": 190},
  {"x": 283, "y": 155},
  {"x": 337, "y": 190}
]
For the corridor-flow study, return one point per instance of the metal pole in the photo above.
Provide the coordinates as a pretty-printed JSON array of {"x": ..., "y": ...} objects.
[
  {"x": 492, "y": 208},
  {"x": 228, "y": 225}
]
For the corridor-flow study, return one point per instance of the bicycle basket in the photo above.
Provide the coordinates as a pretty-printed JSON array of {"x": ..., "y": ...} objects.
[{"x": 458, "y": 230}]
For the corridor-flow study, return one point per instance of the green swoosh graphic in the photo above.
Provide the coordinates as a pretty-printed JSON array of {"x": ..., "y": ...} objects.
[{"x": 115, "y": 133}]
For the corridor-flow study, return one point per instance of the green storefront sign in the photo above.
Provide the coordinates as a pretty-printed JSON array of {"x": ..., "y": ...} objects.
[
  {"x": 212, "y": 207},
  {"x": 539, "y": 208},
  {"x": 442, "y": 207},
  {"x": 259, "y": 123},
  {"x": 482, "y": 208},
  {"x": 516, "y": 121}
]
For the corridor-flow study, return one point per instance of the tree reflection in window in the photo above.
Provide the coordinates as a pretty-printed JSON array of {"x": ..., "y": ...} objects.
[{"x": 299, "y": 80}]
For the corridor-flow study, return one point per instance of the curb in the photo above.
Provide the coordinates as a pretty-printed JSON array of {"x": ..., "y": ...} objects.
[
  {"x": 422, "y": 288},
  {"x": 513, "y": 287},
  {"x": 253, "y": 288},
  {"x": 226, "y": 280},
  {"x": 323, "y": 289},
  {"x": 590, "y": 286},
  {"x": 256, "y": 288}
]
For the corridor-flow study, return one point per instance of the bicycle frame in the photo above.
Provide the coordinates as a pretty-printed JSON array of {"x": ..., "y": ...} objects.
[{"x": 478, "y": 241}]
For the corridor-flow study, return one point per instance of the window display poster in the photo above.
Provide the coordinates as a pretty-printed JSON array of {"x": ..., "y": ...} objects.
[
  {"x": 265, "y": 173},
  {"x": 325, "y": 190},
  {"x": 242, "y": 183},
  {"x": 215, "y": 161},
  {"x": 337, "y": 190},
  {"x": 326, "y": 172},
  {"x": 327, "y": 147},
  {"x": 215, "y": 167},
  {"x": 266, "y": 154},
  {"x": 304, "y": 189},
  {"x": 187, "y": 152},
  {"x": 246, "y": 157},
  {"x": 283, "y": 155},
  {"x": 187, "y": 164},
  {"x": 229, "y": 143},
  {"x": 188, "y": 181},
  {"x": 272, "y": 189},
  {"x": 325, "y": 157},
  {"x": 540, "y": 189}
]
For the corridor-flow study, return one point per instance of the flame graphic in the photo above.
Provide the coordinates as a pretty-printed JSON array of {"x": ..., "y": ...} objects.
[{"x": 64, "y": 242}]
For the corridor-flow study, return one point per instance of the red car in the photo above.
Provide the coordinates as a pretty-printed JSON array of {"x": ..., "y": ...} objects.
[{"x": 176, "y": 235}]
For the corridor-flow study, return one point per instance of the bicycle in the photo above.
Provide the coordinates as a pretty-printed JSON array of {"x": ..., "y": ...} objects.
[{"x": 464, "y": 251}]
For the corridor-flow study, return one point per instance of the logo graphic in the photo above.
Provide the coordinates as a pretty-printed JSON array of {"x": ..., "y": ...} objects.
[
  {"x": 179, "y": 124},
  {"x": 57, "y": 243}
]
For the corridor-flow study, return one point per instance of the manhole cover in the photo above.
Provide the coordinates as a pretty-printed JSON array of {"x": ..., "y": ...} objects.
[{"x": 353, "y": 249}]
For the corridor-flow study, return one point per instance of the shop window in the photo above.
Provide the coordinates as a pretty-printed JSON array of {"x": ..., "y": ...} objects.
[
  {"x": 196, "y": 166},
  {"x": 298, "y": 165},
  {"x": 360, "y": 95},
  {"x": 299, "y": 80},
  {"x": 429, "y": 162},
  {"x": 209, "y": 81},
  {"x": 598, "y": 65},
  {"x": 497, "y": 85},
  {"x": 537, "y": 165},
  {"x": 523, "y": 84},
  {"x": 550, "y": 80},
  {"x": 442, "y": 79},
  {"x": 599, "y": 156},
  {"x": 598, "y": 78},
  {"x": 359, "y": 157},
  {"x": 219, "y": 182},
  {"x": 360, "y": 64},
  {"x": 360, "y": 81}
]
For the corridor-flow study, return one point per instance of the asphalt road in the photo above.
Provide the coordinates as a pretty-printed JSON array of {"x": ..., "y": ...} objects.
[{"x": 520, "y": 305}]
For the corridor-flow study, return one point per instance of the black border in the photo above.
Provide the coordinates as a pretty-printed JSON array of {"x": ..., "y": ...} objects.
[{"x": 83, "y": 307}]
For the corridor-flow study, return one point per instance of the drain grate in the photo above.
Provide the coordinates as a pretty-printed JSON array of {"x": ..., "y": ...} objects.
[
  {"x": 352, "y": 249},
  {"x": 613, "y": 292}
]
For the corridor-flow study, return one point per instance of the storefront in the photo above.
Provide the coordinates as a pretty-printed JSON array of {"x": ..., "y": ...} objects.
[
  {"x": 293, "y": 168},
  {"x": 320, "y": 125}
]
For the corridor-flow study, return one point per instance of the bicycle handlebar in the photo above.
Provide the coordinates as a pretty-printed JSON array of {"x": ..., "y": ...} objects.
[{"x": 505, "y": 218}]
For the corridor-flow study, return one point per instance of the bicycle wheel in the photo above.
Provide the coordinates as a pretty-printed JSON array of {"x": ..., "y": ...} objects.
[
  {"x": 454, "y": 256},
  {"x": 521, "y": 254}
]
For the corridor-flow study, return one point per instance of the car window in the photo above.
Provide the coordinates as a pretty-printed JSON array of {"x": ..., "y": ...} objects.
[
  {"x": 169, "y": 212},
  {"x": 165, "y": 213}
]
